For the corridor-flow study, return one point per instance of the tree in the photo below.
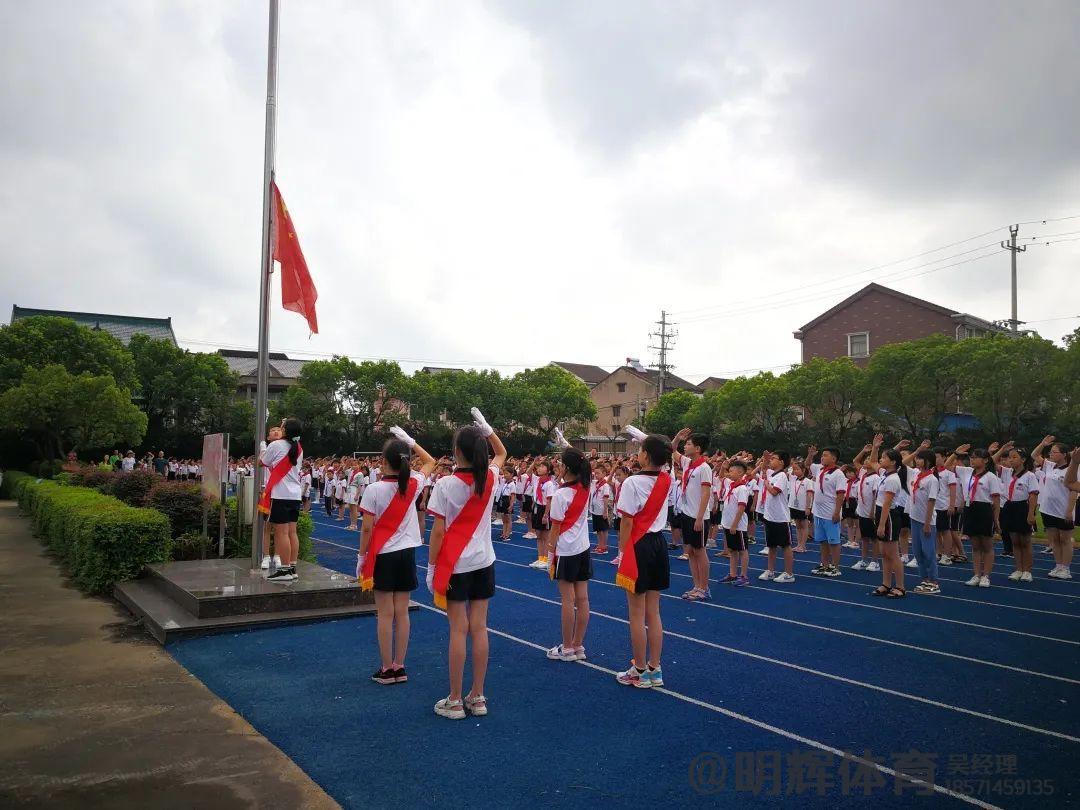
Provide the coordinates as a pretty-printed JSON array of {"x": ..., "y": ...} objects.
[
  {"x": 60, "y": 412},
  {"x": 42, "y": 341},
  {"x": 746, "y": 406},
  {"x": 832, "y": 392},
  {"x": 543, "y": 398},
  {"x": 671, "y": 412},
  {"x": 912, "y": 385},
  {"x": 185, "y": 394},
  {"x": 1011, "y": 384}
]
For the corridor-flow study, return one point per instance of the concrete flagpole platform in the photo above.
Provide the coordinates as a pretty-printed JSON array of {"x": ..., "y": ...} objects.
[{"x": 201, "y": 596}]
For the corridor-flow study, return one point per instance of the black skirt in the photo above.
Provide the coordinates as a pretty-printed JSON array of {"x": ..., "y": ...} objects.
[
  {"x": 396, "y": 570},
  {"x": 654, "y": 565},
  {"x": 574, "y": 568},
  {"x": 1014, "y": 517},
  {"x": 979, "y": 519}
]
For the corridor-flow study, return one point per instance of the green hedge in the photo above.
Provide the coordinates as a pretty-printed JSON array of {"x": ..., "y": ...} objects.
[
  {"x": 11, "y": 486},
  {"x": 234, "y": 547},
  {"x": 101, "y": 540}
]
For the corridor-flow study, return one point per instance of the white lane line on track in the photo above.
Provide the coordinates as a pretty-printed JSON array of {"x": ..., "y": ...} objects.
[
  {"x": 800, "y": 667},
  {"x": 742, "y": 718}
]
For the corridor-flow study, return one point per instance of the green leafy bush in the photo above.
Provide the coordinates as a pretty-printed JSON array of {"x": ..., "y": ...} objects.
[
  {"x": 191, "y": 546},
  {"x": 133, "y": 487},
  {"x": 100, "y": 539},
  {"x": 92, "y": 477},
  {"x": 10, "y": 486},
  {"x": 241, "y": 547},
  {"x": 181, "y": 503}
]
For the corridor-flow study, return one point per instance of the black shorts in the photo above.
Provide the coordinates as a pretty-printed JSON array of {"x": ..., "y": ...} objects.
[
  {"x": 616, "y": 523},
  {"x": 538, "y": 522},
  {"x": 653, "y": 563},
  {"x": 673, "y": 519},
  {"x": 750, "y": 507},
  {"x": 736, "y": 541},
  {"x": 478, "y": 584},
  {"x": 714, "y": 517},
  {"x": 798, "y": 515},
  {"x": 868, "y": 528},
  {"x": 898, "y": 521},
  {"x": 690, "y": 536},
  {"x": 979, "y": 519},
  {"x": 1051, "y": 522},
  {"x": 575, "y": 568},
  {"x": 942, "y": 521},
  {"x": 777, "y": 534},
  {"x": 527, "y": 503},
  {"x": 282, "y": 511},
  {"x": 503, "y": 506},
  {"x": 1014, "y": 517},
  {"x": 600, "y": 523},
  {"x": 396, "y": 570},
  {"x": 849, "y": 509}
]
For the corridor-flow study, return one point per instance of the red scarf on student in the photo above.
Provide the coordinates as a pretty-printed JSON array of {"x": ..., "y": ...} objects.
[
  {"x": 459, "y": 534},
  {"x": 280, "y": 470},
  {"x": 540, "y": 481},
  {"x": 693, "y": 465},
  {"x": 573, "y": 512},
  {"x": 384, "y": 529},
  {"x": 919, "y": 479},
  {"x": 657, "y": 500}
]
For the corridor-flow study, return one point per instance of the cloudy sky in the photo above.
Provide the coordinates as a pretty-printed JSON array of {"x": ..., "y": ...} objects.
[{"x": 506, "y": 183}]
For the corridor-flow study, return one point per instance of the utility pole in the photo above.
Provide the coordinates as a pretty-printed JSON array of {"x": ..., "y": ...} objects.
[
  {"x": 666, "y": 337},
  {"x": 1013, "y": 249}
]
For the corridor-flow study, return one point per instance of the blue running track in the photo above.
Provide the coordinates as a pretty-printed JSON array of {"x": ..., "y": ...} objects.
[{"x": 812, "y": 692}]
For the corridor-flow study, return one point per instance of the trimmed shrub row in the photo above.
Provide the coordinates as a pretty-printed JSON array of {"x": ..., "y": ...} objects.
[
  {"x": 11, "y": 485},
  {"x": 101, "y": 540}
]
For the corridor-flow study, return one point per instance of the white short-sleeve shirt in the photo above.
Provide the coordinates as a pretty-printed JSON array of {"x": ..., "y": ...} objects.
[
  {"x": 732, "y": 498},
  {"x": 828, "y": 486},
  {"x": 983, "y": 488},
  {"x": 375, "y": 501},
  {"x": 601, "y": 493},
  {"x": 633, "y": 493},
  {"x": 1017, "y": 488},
  {"x": 288, "y": 488},
  {"x": 696, "y": 483},
  {"x": 921, "y": 495},
  {"x": 1054, "y": 495},
  {"x": 776, "y": 506},
  {"x": 448, "y": 498},
  {"x": 572, "y": 539}
]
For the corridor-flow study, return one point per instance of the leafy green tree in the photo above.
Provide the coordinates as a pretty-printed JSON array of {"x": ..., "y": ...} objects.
[
  {"x": 43, "y": 341},
  {"x": 671, "y": 413},
  {"x": 60, "y": 412},
  {"x": 544, "y": 398},
  {"x": 912, "y": 385},
  {"x": 759, "y": 405},
  {"x": 1013, "y": 385},
  {"x": 833, "y": 394}
]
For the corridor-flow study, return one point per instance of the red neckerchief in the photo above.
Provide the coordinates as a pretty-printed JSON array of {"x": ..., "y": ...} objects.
[
  {"x": 1012, "y": 483},
  {"x": 919, "y": 478},
  {"x": 973, "y": 486},
  {"x": 734, "y": 486},
  {"x": 821, "y": 477},
  {"x": 847, "y": 492},
  {"x": 693, "y": 465},
  {"x": 540, "y": 481}
]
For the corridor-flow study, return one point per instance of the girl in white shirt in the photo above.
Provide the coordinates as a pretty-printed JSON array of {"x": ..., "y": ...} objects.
[
  {"x": 393, "y": 573},
  {"x": 889, "y": 525},
  {"x": 982, "y": 513},
  {"x": 568, "y": 549},
  {"x": 471, "y": 569},
  {"x": 800, "y": 504},
  {"x": 923, "y": 492},
  {"x": 1020, "y": 499},
  {"x": 285, "y": 496},
  {"x": 1057, "y": 502}
]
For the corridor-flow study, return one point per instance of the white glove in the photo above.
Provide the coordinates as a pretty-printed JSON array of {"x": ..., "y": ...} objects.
[
  {"x": 400, "y": 433},
  {"x": 359, "y": 563},
  {"x": 429, "y": 580},
  {"x": 481, "y": 422},
  {"x": 634, "y": 434},
  {"x": 560, "y": 440}
]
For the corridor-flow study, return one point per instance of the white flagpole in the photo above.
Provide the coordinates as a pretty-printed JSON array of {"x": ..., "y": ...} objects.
[{"x": 265, "y": 269}]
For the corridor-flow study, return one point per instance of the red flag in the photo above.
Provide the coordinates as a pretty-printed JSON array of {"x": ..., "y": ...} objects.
[{"x": 298, "y": 293}]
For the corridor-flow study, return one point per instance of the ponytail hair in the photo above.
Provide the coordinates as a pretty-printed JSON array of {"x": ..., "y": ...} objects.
[
  {"x": 576, "y": 462},
  {"x": 658, "y": 449},
  {"x": 901, "y": 469},
  {"x": 980, "y": 452},
  {"x": 1029, "y": 462},
  {"x": 929, "y": 459},
  {"x": 473, "y": 446},
  {"x": 293, "y": 428},
  {"x": 396, "y": 453}
]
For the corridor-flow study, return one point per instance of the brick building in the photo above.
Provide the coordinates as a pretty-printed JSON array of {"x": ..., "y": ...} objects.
[{"x": 876, "y": 316}]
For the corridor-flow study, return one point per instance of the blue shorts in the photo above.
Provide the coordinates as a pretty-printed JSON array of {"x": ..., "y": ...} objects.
[{"x": 826, "y": 531}]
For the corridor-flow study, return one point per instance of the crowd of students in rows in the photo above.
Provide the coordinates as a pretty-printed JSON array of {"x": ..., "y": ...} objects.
[
  {"x": 901, "y": 507},
  {"x": 172, "y": 468}
]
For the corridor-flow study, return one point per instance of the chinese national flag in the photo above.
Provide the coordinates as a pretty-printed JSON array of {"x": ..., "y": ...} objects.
[{"x": 298, "y": 293}]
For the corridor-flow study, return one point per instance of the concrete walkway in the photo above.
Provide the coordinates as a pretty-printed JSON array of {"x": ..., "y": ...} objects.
[{"x": 95, "y": 714}]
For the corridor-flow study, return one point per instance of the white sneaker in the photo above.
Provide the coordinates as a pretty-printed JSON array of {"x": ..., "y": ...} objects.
[
  {"x": 1065, "y": 573},
  {"x": 277, "y": 561},
  {"x": 784, "y": 578},
  {"x": 1015, "y": 576},
  {"x": 710, "y": 544},
  {"x": 529, "y": 536},
  {"x": 1055, "y": 572},
  {"x": 559, "y": 653},
  {"x": 579, "y": 654},
  {"x": 873, "y": 565},
  {"x": 912, "y": 563},
  {"x": 973, "y": 581},
  {"x": 859, "y": 566},
  {"x": 984, "y": 582},
  {"x": 617, "y": 560},
  {"x": 538, "y": 564},
  {"x": 851, "y": 544},
  {"x": 767, "y": 575},
  {"x": 763, "y": 550},
  {"x": 454, "y": 710},
  {"x": 265, "y": 564},
  {"x": 1026, "y": 576},
  {"x": 904, "y": 558},
  {"x": 945, "y": 560},
  {"x": 682, "y": 557}
]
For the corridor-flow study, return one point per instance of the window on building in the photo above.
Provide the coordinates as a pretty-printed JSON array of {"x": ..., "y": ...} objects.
[
  {"x": 616, "y": 410},
  {"x": 615, "y": 427},
  {"x": 621, "y": 387},
  {"x": 858, "y": 344}
]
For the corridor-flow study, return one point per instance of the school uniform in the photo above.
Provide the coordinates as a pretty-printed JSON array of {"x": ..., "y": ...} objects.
[
  {"x": 543, "y": 488},
  {"x": 797, "y": 498},
  {"x": 775, "y": 510},
  {"x": 829, "y": 484},
  {"x": 890, "y": 484},
  {"x": 395, "y": 564},
  {"x": 650, "y": 551},
  {"x": 598, "y": 501},
  {"x": 473, "y": 576},
  {"x": 947, "y": 496},
  {"x": 1054, "y": 498},
  {"x": 695, "y": 485},
  {"x": 285, "y": 496},
  {"x": 738, "y": 492},
  {"x": 573, "y": 559},
  {"x": 923, "y": 489},
  {"x": 1014, "y": 508},
  {"x": 978, "y": 500},
  {"x": 866, "y": 490}
]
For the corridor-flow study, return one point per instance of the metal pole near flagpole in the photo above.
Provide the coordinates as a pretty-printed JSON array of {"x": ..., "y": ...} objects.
[{"x": 265, "y": 270}]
